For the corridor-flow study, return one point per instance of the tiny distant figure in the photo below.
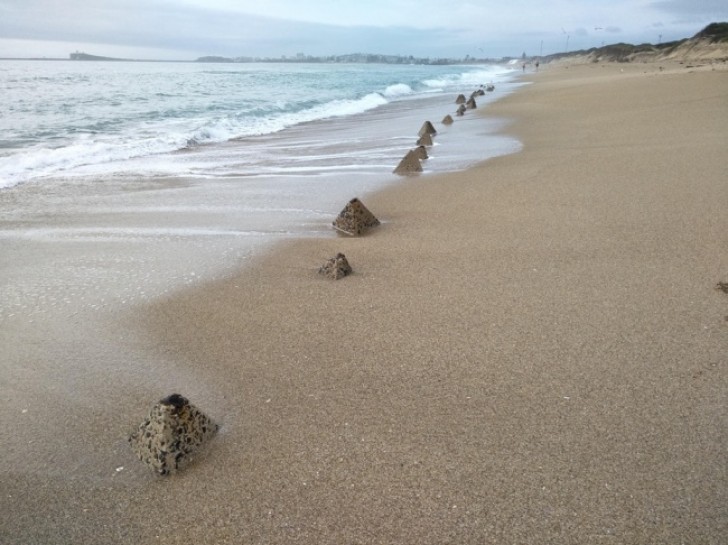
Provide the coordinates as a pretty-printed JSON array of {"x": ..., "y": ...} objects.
[
  {"x": 537, "y": 66},
  {"x": 524, "y": 66}
]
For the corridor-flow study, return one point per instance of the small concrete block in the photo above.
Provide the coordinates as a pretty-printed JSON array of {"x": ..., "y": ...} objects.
[
  {"x": 424, "y": 140},
  {"x": 410, "y": 164},
  {"x": 427, "y": 128},
  {"x": 336, "y": 267},
  {"x": 171, "y": 434},
  {"x": 355, "y": 219}
]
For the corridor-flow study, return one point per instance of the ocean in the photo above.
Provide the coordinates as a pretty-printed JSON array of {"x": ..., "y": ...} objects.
[{"x": 190, "y": 168}]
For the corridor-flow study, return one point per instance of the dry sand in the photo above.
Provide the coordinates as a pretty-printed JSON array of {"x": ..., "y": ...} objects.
[{"x": 530, "y": 351}]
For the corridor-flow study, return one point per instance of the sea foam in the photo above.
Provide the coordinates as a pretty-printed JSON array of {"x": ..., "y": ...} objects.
[{"x": 68, "y": 119}]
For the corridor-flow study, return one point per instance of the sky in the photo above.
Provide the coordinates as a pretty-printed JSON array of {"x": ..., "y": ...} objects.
[{"x": 188, "y": 29}]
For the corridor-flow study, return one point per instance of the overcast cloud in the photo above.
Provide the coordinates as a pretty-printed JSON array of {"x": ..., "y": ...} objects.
[{"x": 186, "y": 29}]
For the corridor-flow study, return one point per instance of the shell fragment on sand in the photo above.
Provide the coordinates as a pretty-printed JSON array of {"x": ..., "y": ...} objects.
[
  {"x": 355, "y": 219},
  {"x": 424, "y": 140},
  {"x": 447, "y": 120},
  {"x": 170, "y": 435},
  {"x": 336, "y": 267},
  {"x": 410, "y": 164},
  {"x": 427, "y": 128}
]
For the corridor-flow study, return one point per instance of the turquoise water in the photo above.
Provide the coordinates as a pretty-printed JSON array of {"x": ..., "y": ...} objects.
[
  {"x": 66, "y": 119},
  {"x": 123, "y": 181}
]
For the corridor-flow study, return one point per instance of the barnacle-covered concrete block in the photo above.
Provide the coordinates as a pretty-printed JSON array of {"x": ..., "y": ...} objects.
[
  {"x": 336, "y": 267},
  {"x": 410, "y": 164},
  {"x": 171, "y": 434},
  {"x": 355, "y": 218},
  {"x": 427, "y": 128}
]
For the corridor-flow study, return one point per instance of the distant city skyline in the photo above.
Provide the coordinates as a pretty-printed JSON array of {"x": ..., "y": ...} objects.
[{"x": 188, "y": 29}]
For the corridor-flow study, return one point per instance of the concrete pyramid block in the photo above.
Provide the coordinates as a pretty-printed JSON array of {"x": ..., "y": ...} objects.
[
  {"x": 447, "y": 120},
  {"x": 355, "y": 219},
  {"x": 421, "y": 152},
  {"x": 410, "y": 164},
  {"x": 170, "y": 435},
  {"x": 424, "y": 140},
  {"x": 336, "y": 267},
  {"x": 460, "y": 99},
  {"x": 471, "y": 105},
  {"x": 427, "y": 128},
  {"x": 461, "y": 110}
]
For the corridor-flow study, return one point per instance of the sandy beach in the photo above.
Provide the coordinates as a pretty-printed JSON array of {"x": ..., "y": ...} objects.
[{"x": 529, "y": 351}]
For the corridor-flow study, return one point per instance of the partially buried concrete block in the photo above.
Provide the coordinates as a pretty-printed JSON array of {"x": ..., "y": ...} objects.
[
  {"x": 171, "y": 434},
  {"x": 447, "y": 120},
  {"x": 460, "y": 99},
  {"x": 424, "y": 140},
  {"x": 427, "y": 128},
  {"x": 461, "y": 110},
  {"x": 410, "y": 164},
  {"x": 336, "y": 267},
  {"x": 471, "y": 105},
  {"x": 355, "y": 219}
]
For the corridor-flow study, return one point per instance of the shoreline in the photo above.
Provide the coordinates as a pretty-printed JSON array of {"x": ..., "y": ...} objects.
[
  {"x": 529, "y": 350},
  {"x": 197, "y": 139}
]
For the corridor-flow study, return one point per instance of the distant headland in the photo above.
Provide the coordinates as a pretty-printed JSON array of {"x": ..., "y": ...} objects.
[
  {"x": 79, "y": 56},
  {"x": 711, "y": 43}
]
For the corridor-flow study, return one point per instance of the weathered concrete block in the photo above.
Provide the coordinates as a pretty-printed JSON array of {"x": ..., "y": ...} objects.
[
  {"x": 461, "y": 110},
  {"x": 471, "y": 105},
  {"x": 336, "y": 267},
  {"x": 460, "y": 99},
  {"x": 427, "y": 128},
  {"x": 410, "y": 164},
  {"x": 424, "y": 140},
  {"x": 171, "y": 434},
  {"x": 421, "y": 152},
  {"x": 355, "y": 219},
  {"x": 447, "y": 120}
]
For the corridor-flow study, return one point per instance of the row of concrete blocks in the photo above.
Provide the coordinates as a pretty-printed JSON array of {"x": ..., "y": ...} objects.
[
  {"x": 411, "y": 163},
  {"x": 174, "y": 430}
]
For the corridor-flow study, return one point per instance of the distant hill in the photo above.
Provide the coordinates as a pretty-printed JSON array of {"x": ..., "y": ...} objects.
[
  {"x": 714, "y": 32},
  {"x": 710, "y": 44},
  {"x": 78, "y": 56},
  {"x": 213, "y": 58}
]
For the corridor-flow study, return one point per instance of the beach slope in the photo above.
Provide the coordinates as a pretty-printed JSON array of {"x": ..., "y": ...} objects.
[{"x": 530, "y": 351}]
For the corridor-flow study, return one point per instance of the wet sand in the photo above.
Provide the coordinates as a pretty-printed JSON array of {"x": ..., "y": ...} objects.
[{"x": 529, "y": 351}]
